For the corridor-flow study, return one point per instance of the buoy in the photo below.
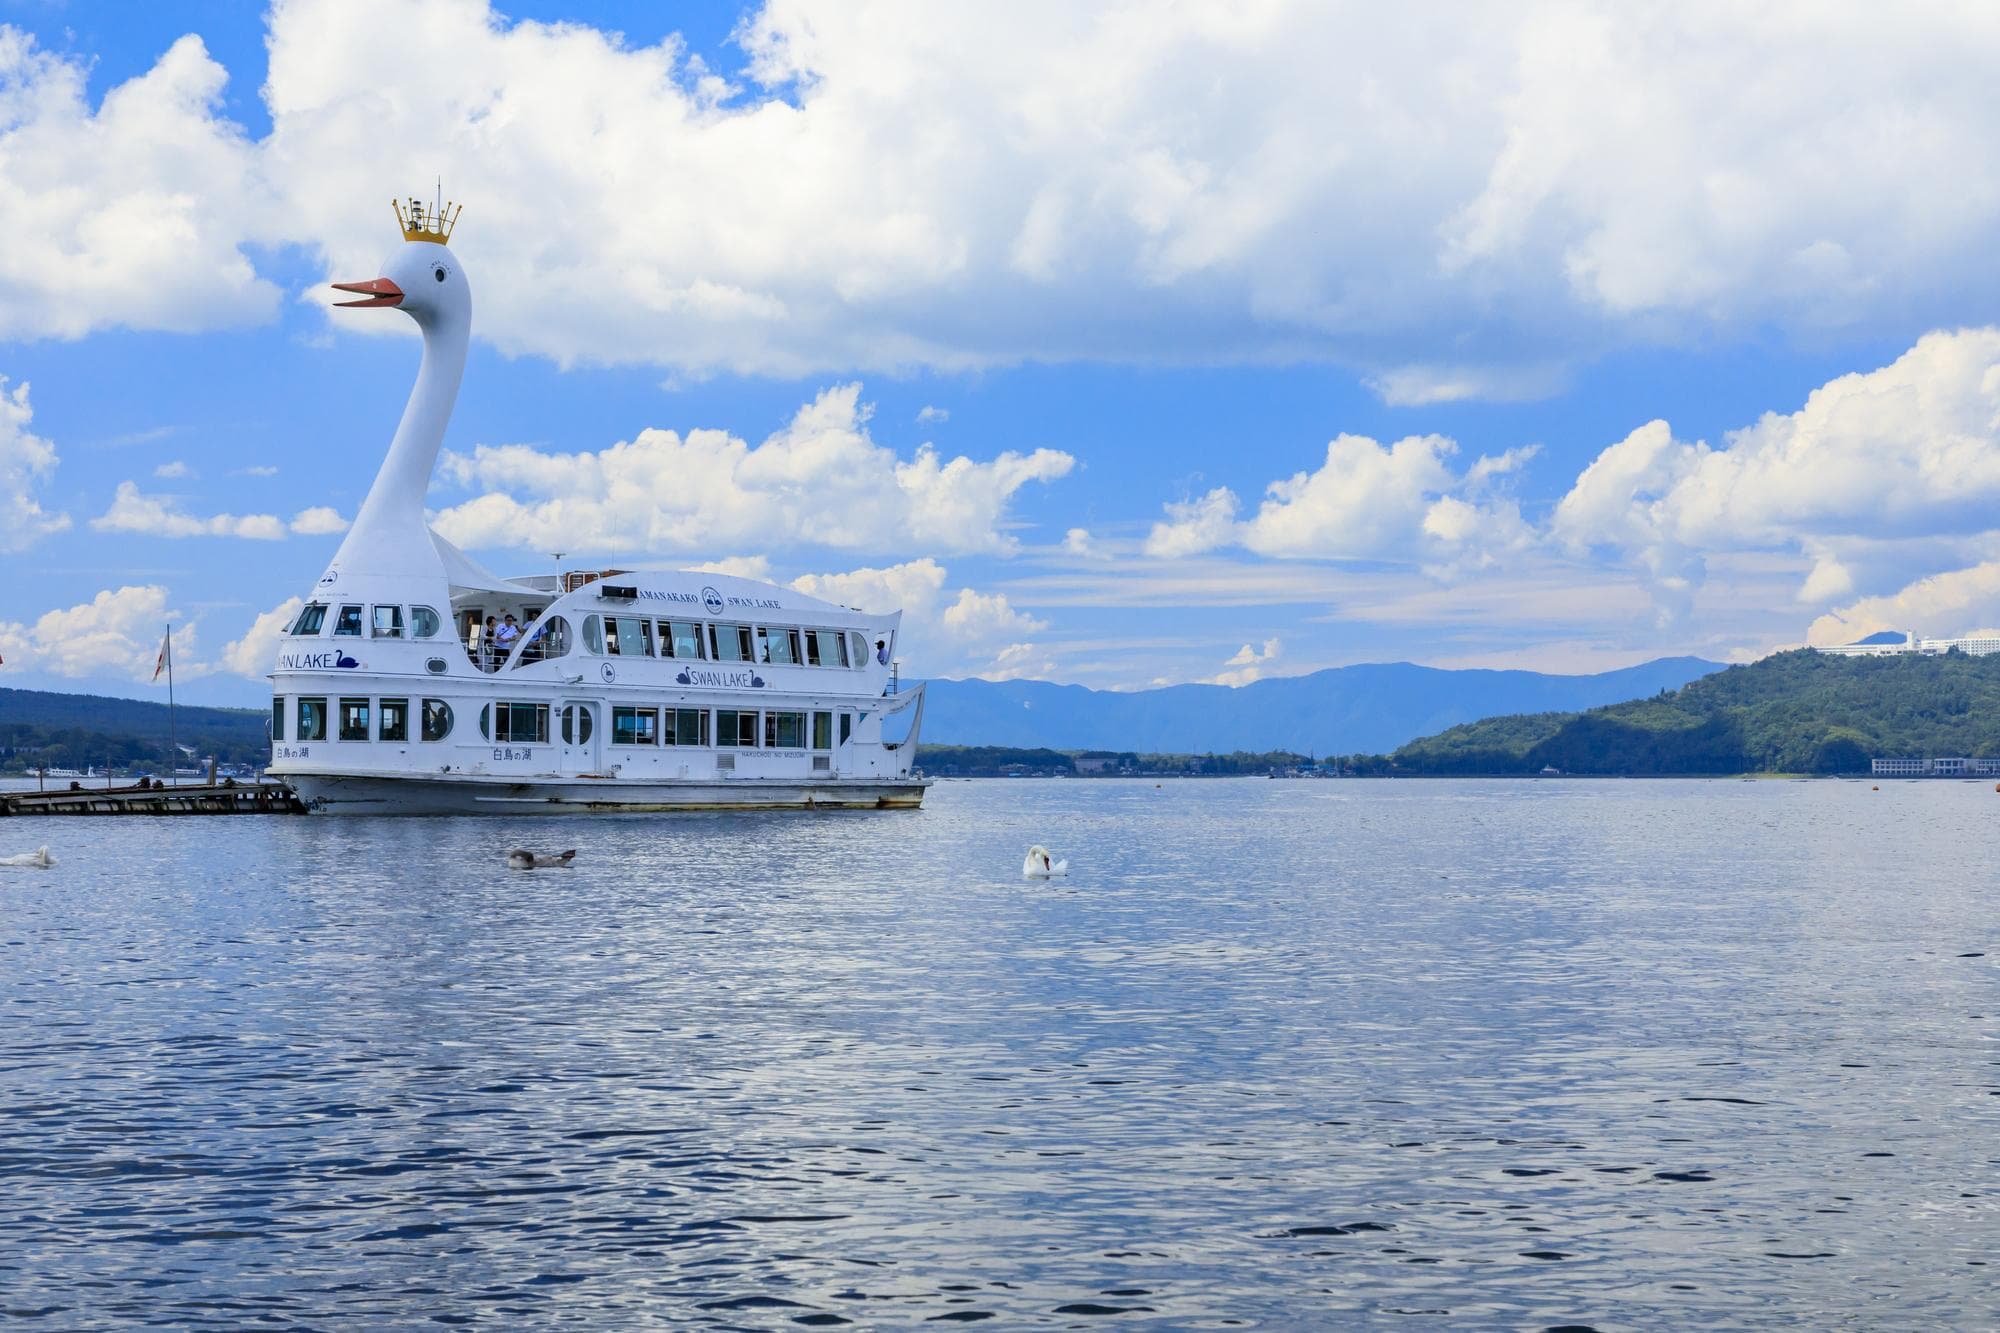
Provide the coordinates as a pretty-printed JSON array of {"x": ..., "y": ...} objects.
[
  {"x": 1039, "y": 866},
  {"x": 522, "y": 859},
  {"x": 39, "y": 859}
]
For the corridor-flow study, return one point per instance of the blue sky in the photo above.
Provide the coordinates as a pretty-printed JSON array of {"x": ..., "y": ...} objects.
[{"x": 1119, "y": 346}]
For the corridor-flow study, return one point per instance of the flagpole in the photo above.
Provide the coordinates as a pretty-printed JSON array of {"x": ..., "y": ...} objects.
[{"x": 173, "y": 737}]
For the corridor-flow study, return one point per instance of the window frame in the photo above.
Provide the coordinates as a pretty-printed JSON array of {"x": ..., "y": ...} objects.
[
  {"x": 634, "y": 713},
  {"x": 278, "y": 708},
  {"x": 400, "y": 707},
  {"x": 822, "y": 730},
  {"x": 417, "y": 613},
  {"x": 429, "y": 709},
  {"x": 772, "y": 719},
  {"x": 318, "y": 621},
  {"x": 340, "y": 620},
  {"x": 731, "y": 737},
  {"x": 313, "y": 705},
  {"x": 375, "y": 611}
]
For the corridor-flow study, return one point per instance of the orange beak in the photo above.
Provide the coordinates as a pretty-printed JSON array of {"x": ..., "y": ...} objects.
[{"x": 378, "y": 291}]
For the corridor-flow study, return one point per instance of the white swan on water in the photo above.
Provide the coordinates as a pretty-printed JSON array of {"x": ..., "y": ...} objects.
[
  {"x": 1039, "y": 866},
  {"x": 39, "y": 859}
]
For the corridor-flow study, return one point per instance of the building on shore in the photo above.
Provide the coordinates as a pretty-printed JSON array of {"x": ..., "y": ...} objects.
[
  {"x": 1942, "y": 767},
  {"x": 1891, "y": 643}
]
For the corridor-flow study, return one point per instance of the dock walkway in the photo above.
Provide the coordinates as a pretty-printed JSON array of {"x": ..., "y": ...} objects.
[{"x": 225, "y": 798}]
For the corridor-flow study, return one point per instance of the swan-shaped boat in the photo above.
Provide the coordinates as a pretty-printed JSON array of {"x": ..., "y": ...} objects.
[
  {"x": 1039, "y": 865},
  {"x": 620, "y": 690}
]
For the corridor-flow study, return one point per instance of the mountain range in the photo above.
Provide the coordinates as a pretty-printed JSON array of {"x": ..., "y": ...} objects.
[{"x": 1372, "y": 708}]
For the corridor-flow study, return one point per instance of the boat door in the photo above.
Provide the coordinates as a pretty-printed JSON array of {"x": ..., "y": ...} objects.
[{"x": 579, "y": 733}]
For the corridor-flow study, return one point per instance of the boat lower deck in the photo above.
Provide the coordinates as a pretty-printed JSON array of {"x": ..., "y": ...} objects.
[{"x": 461, "y": 795}]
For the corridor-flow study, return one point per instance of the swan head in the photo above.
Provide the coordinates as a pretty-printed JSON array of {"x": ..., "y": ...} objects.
[{"x": 424, "y": 280}]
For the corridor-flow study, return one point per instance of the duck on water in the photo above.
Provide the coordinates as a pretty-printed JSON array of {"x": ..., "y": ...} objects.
[{"x": 624, "y": 690}]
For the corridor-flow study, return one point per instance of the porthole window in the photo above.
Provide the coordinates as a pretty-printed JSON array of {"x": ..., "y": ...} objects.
[
  {"x": 486, "y": 721},
  {"x": 438, "y": 272},
  {"x": 424, "y": 622},
  {"x": 437, "y": 719}
]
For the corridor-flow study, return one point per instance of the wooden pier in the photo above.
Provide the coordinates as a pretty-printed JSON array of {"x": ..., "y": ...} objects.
[{"x": 224, "y": 798}]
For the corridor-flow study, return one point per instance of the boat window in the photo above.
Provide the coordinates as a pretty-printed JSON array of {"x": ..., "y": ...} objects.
[
  {"x": 731, "y": 643},
  {"x": 593, "y": 635},
  {"x": 424, "y": 622},
  {"x": 857, "y": 650},
  {"x": 628, "y": 636},
  {"x": 785, "y": 731},
  {"x": 437, "y": 719},
  {"x": 779, "y": 647},
  {"x": 846, "y": 727},
  {"x": 310, "y": 620},
  {"x": 486, "y": 721},
  {"x": 634, "y": 726},
  {"x": 278, "y": 718},
  {"x": 690, "y": 726},
  {"x": 394, "y": 722},
  {"x": 734, "y": 728},
  {"x": 349, "y": 622},
  {"x": 681, "y": 639},
  {"x": 519, "y": 723},
  {"x": 822, "y": 731},
  {"x": 549, "y": 639},
  {"x": 312, "y": 719},
  {"x": 388, "y": 622}
]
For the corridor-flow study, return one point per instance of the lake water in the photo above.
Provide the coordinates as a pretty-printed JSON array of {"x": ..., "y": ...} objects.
[{"x": 1528, "y": 1054}]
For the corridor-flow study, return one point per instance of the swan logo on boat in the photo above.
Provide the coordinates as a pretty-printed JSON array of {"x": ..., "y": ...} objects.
[
  {"x": 608, "y": 671},
  {"x": 711, "y": 601}
]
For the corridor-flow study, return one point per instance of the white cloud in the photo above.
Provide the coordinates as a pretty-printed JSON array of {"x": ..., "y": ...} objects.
[
  {"x": 932, "y": 415},
  {"x": 26, "y": 462},
  {"x": 174, "y": 470},
  {"x": 739, "y": 566},
  {"x": 253, "y": 654},
  {"x": 132, "y": 214},
  {"x": 161, "y": 516},
  {"x": 1947, "y": 605},
  {"x": 966, "y": 635},
  {"x": 1908, "y": 452},
  {"x": 902, "y": 184},
  {"x": 1019, "y": 661},
  {"x": 258, "y": 470},
  {"x": 1367, "y": 500},
  {"x": 912, "y": 587},
  {"x": 1194, "y": 526},
  {"x": 1077, "y": 541},
  {"x": 1249, "y": 664},
  {"x": 116, "y": 633},
  {"x": 905, "y": 183},
  {"x": 318, "y": 521},
  {"x": 820, "y": 481},
  {"x": 978, "y": 617}
]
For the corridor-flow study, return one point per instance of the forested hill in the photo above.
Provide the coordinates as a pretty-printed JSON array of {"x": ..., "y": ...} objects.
[
  {"x": 1795, "y": 712},
  {"x": 77, "y": 730}
]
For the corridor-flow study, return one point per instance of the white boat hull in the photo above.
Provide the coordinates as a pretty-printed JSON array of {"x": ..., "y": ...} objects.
[{"x": 467, "y": 795}]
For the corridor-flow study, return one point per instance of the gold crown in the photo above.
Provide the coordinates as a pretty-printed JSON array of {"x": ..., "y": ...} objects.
[{"x": 422, "y": 224}]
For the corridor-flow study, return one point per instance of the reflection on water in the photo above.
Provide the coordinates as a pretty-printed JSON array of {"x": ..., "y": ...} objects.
[{"x": 1516, "y": 1054}]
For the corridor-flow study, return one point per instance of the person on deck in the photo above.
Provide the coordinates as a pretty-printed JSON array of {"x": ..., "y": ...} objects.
[
  {"x": 505, "y": 637},
  {"x": 882, "y": 651},
  {"x": 486, "y": 646}
]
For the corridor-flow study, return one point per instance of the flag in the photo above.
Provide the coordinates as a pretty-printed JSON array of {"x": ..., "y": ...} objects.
[{"x": 160, "y": 663}]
